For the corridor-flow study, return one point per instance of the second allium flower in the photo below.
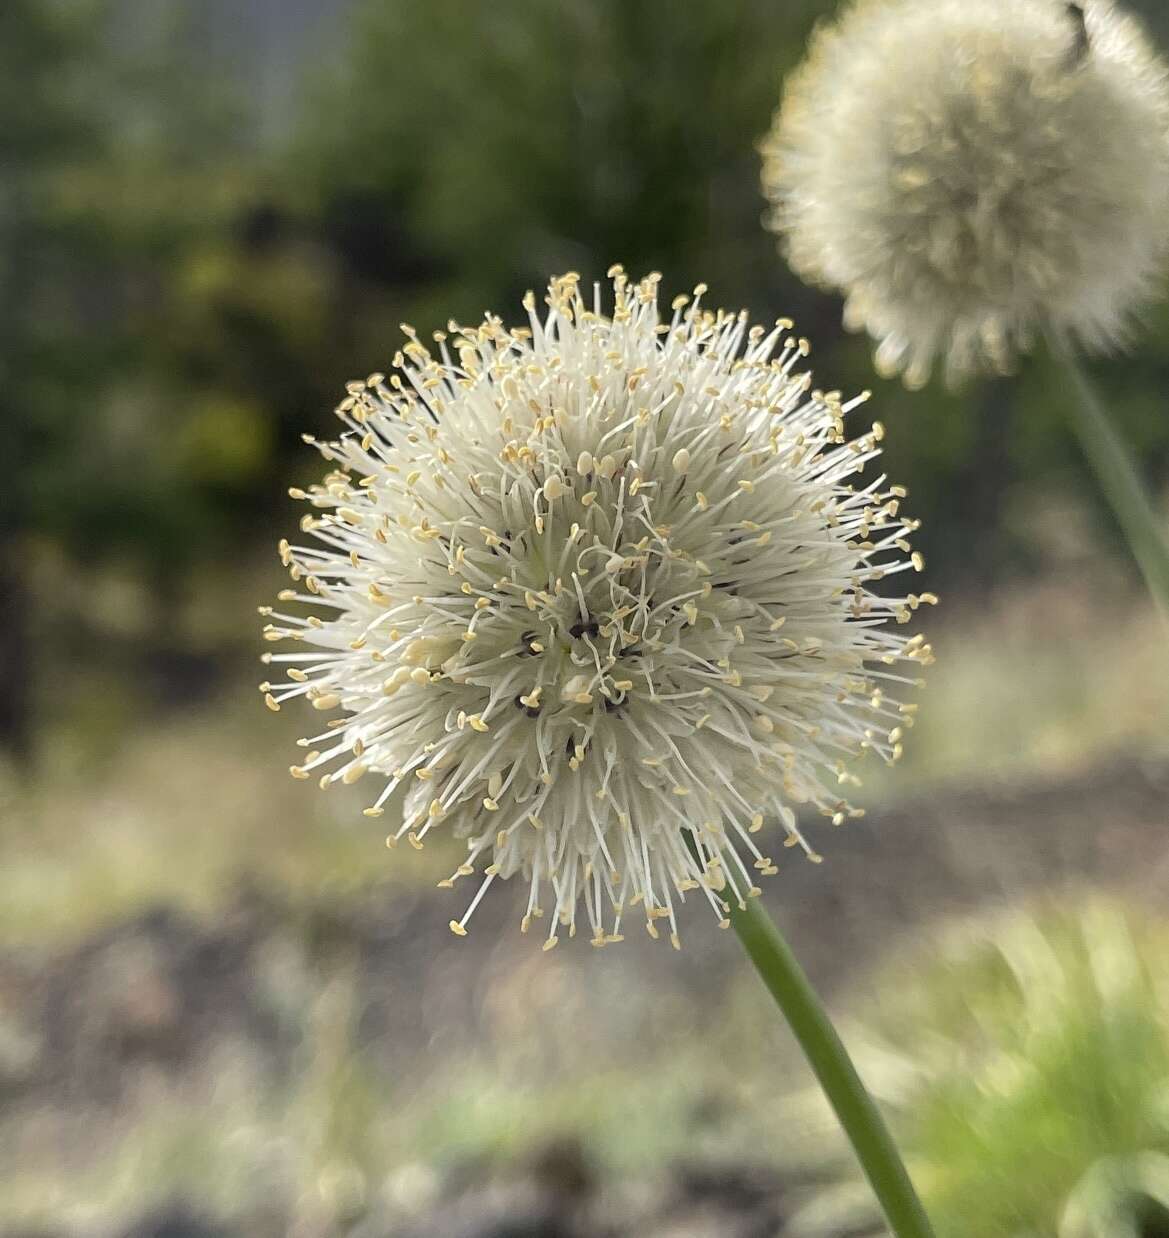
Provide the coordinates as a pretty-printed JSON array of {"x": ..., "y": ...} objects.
[
  {"x": 593, "y": 588},
  {"x": 968, "y": 172}
]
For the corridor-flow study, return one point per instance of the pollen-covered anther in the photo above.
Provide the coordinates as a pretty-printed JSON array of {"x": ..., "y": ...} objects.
[
  {"x": 575, "y": 690},
  {"x": 553, "y": 488}
]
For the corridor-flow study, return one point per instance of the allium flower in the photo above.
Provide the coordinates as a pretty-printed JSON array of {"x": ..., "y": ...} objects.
[
  {"x": 593, "y": 584},
  {"x": 968, "y": 172}
]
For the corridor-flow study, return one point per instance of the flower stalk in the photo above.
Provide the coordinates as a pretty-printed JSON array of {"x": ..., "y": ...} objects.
[
  {"x": 1112, "y": 463},
  {"x": 785, "y": 980}
]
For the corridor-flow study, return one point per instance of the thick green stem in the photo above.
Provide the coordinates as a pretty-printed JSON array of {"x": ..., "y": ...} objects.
[
  {"x": 1146, "y": 531},
  {"x": 859, "y": 1116}
]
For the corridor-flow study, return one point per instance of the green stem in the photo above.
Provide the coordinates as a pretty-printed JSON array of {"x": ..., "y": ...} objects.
[
  {"x": 1145, "y": 530},
  {"x": 862, "y": 1121}
]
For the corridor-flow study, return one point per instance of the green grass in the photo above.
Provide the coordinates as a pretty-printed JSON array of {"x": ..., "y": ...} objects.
[{"x": 1025, "y": 1061}]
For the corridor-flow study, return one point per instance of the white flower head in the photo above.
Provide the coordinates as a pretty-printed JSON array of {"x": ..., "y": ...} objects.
[
  {"x": 597, "y": 591},
  {"x": 970, "y": 172}
]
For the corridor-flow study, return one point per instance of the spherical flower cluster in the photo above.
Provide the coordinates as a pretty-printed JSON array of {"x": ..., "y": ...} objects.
[
  {"x": 597, "y": 591},
  {"x": 970, "y": 173}
]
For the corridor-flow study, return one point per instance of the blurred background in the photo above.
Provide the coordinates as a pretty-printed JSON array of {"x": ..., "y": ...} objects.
[{"x": 224, "y": 1009}]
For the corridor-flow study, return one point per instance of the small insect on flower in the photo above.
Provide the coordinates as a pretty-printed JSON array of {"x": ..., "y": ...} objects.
[
  {"x": 597, "y": 591},
  {"x": 970, "y": 173}
]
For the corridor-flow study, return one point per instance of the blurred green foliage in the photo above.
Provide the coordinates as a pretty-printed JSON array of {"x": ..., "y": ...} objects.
[
  {"x": 508, "y": 141},
  {"x": 185, "y": 287},
  {"x": 1025, "y": 1063}
]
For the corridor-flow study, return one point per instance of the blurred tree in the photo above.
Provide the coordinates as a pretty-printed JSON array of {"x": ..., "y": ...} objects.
[
  {"x": 48, "y": 128},
  {"x": 157, "y": 320},
  {"x": 483, "y": 147}
]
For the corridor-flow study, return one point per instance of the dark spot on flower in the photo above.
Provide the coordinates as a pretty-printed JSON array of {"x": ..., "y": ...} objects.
[
  {"x": 533, "y": 711},
  {"x": 1082, "y": 42}
]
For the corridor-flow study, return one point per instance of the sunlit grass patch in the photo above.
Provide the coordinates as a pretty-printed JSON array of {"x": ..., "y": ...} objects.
[
  {"x": 182, "y": 814},
  {"x": 1042, "y": 682}
]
